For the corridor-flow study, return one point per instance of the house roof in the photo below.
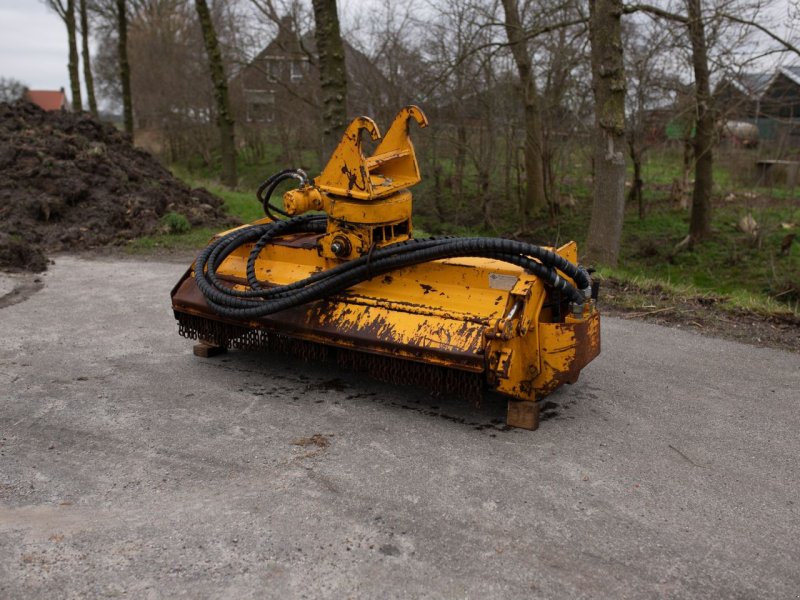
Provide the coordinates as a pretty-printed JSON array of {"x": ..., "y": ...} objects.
[
  {"x": 751, "y": 84},
  {"x": 792, "y": 73},
  {"x": 47, "y": 99},
  {"x": 288, "y": 45}
]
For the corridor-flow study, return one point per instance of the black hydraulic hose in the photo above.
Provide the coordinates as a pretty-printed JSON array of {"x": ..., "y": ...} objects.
[
  {"x": 379, "y": 266},
  {"x": 259, "y": 301},
  {"x": 312, "y": 224},
  {"x": 216, "y": 252},
  {"x": 397, "y": 248},
  {"x": 348, "y": 274},
  {"x": 236, "y": 238},
  {"x": 265, "y": 190}
]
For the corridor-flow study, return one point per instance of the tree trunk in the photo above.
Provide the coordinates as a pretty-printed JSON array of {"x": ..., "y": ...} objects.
[
  {"x": 700, "y": 219},
  {"x": 332, "y": 74},
  {"x": 687, "y": 158},
  {"x": 74, "y": 73},
  {"x": 485, "y": 197},
  {"x": 535, "y": 199},
  {"x": 551, "y": 193},
  {"x": 508, "y": 163},
  {"x": 87, "y": 64},
  {"x": 637, "y": 189},
  {"x": 437, "y": 179},
  {"x": 486, "y": 162},
  {"x": 459, "y": 163},
  {"x": 220, "y": 84},
  {"x": 608, "y": 83},
  {"x": 124, "y": 66}
]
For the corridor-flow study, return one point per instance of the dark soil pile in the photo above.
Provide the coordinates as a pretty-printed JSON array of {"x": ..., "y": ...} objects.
[{"x": 69, "y": 182}]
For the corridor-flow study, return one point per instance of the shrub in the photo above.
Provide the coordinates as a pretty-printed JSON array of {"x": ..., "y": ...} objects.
[{"x": 174, "y": 222}]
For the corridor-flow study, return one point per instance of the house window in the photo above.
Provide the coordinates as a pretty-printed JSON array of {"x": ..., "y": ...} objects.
[
  {"x": 296, "y": 70},
  {"x": 260, "y": 105}
]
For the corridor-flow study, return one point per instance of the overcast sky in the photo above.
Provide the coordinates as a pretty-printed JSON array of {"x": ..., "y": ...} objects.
[{"x": 33, "y": 45}]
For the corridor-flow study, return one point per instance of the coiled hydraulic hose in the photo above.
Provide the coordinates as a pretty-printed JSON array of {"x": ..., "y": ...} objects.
[{"x": 258, "y": 301}]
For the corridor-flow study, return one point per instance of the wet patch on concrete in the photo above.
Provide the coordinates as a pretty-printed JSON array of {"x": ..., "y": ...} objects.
[{"x": 21, "y": 292}]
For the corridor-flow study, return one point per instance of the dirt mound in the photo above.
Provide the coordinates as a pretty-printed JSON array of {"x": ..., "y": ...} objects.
[{"x": 69, "y": 182}]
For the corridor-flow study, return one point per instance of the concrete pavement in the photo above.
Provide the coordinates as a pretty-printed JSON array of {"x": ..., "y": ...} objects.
[{"x": 128, "y": 467}]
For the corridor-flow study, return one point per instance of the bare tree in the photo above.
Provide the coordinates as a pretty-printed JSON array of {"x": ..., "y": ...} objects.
[
  {"x": 753, "y": 20},
  {"x": 67, "y": 14},
  {"x": 220, "y": 83},
  {"x": 535, "y": 199},
  {"x": 124, "y": 65},
  {"x": 700, "y": 219},
  {"x": 650, "y": 84},
  {"x": 290, "y": 84},
  {"x": 332, "y": 73},
  {"x": 87, "y": 61},
  {"x": 694, "y": 21},
  {"x": 452, "y": 39},
  {"x": 392, "y": 39},
  {"x": 608, "y": 81},
  {"x": 566, "y": 103},
  {"x": 11, "y": 89}
]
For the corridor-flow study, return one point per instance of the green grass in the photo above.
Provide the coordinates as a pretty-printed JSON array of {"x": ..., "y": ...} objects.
[
  {"x": 241, "y": 202},
  {"x": 190, "y": 240},
  {"x": 174, "y": 222},
  {"x": 734, "y": 301},
  {"x": 747, "y": 273}
]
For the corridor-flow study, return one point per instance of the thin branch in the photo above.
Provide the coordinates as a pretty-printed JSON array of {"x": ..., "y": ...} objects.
[
  {"x": 58, "y": 7},
  {"x": 654, "y": 10},
  {"x": 529, "y": 35},
  {"x": 789, "y": 46}
]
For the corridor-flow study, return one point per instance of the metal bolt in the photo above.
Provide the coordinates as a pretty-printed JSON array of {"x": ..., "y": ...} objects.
[{"x": 340, "y": 247}]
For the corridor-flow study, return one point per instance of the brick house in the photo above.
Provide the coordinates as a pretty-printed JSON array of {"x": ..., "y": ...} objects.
[{"x": 282, "y": 82}]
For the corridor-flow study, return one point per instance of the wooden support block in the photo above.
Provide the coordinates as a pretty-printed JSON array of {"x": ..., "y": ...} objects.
[
  {"x": 206, "y": 350},
  {"x": 523, "y": 414}
]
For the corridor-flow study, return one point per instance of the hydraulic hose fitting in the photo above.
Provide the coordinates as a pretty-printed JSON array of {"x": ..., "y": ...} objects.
[{"x": 302, "y": 200}]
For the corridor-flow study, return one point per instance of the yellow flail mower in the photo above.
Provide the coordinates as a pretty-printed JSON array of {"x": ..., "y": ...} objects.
[{"x": 336, "y": 275}]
